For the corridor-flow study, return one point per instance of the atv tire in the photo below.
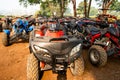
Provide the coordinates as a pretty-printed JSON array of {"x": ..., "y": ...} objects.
[
  {"x": 1, "y": 29},
  {"x": 32, "y": 68},
  {"x": 61, "y": 77},
  {"x": 5, "y": 39},
  {"x": 97, "y": 56},
  {"x": 77, "y": 67},
  {"x": 4, "y": 25}
]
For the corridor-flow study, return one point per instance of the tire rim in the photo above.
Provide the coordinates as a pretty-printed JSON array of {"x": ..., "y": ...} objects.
[{"x": 94, "y": 56}]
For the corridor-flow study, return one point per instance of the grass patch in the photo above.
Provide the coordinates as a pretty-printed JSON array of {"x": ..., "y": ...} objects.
[{"x": 1, "y": 16}]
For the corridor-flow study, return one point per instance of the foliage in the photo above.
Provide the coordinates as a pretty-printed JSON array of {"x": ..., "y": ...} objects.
[
  {"x": 48, "y": 7},
  {"x": 93, "y": 11},
  {"x": 45, "y": 8},
  {"x": 1, "y": 16},
  {"x": 115, "y": 6},
  {"x": 102, "y": 2},
  {"x": 63, "y": 6},
  {"x": 105, "y": 4},
  {"x": 31, "y": 2},
  {"x": 68, "y": 12},
  {"x": 80, "y": 9}
]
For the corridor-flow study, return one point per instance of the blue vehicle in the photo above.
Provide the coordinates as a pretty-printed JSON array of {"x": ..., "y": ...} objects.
[{"x": 20, "y": 31}]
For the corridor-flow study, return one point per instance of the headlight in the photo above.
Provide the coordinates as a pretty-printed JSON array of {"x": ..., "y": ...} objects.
[
  {"x": 41, "y": 51},
  {"x": 75, "y": 49}
]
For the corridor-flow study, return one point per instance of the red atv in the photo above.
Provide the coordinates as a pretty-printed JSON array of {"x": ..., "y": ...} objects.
[
  {"x": 51, "y": 49},
  {"x": 109, "y": 44},
  {"x": 102, "y": 42},
  {"x": 91, "y": 35}
]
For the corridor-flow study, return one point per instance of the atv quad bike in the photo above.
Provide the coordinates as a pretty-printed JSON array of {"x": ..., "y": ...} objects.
[
  {"x": 92, "y": 39},
  {"x": 54, "y": 50},
  {"x": 105, "y": 44},
  {"x": 20, "y": 32}
]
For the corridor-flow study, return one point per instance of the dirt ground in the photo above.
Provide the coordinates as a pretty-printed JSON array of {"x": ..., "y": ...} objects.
[{"x": 13, "y": 66}]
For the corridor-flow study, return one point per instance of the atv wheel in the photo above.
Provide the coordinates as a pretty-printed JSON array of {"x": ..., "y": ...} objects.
[
  {"x": 4, "y": 25},
  {"x": 5, "y": 39},
  {"x": 30, "y": 35},
  {"x": 61, "y": 77},
  {"x": 1, "y": 27},
  {"x": 32, "y": 68},
  {"x": 97, "y": 56},
  {"x": 77, "y": 67}
]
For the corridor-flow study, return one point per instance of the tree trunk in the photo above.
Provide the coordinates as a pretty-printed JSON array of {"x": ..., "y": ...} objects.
[
  {"x": 106, "y": 5},
  {"x": 85, "y": 8},
  {"x": 74, "y": 7},
  {"x": 104, "y": 8},
  {"x": 104, "y": 11},
  {"x": 89, "y": 7},
  {"x": 61, "y": 8}
]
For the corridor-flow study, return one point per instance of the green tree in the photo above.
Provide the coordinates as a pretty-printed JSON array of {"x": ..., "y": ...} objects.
[
  {"x": 105, "y": 4},
  {"x": 115, "y": 6},
  {"x": 84, "y": 7},
  {"x": 46, "y": 8},
  {"x": 63, "y": 5},
  {"x": 68, "y": 12},
  {"x": 93, "y": 11},
  {"x": 81, "y": 8},
  {"x": 31, "y": 2},
  {"x": 46, "y": 5}
]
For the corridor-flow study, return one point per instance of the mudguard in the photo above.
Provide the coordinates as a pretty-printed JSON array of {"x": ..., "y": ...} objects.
[
  {"x": 7, "y": 32},
  {"x": 30, "y": 28}
]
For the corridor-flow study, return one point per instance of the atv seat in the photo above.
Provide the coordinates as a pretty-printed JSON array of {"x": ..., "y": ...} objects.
[
  {"x": 92, "y": 30},
  {"x": 55, "y": 34}
]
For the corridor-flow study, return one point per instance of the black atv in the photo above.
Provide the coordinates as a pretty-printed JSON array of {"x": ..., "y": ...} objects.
[{"x": 54, "y": 53}]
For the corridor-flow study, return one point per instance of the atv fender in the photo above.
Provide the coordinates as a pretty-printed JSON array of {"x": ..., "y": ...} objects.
[
  {"x": 100, "y": 44},
  {"x": 30, "y": 28},
  {"x": 7, "y": 32}
]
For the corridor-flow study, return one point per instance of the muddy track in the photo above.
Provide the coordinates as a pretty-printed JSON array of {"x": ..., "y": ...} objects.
[{"x": 13, "y": 66}]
